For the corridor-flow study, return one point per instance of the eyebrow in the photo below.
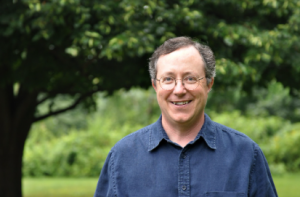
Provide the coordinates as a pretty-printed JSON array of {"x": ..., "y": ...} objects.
[
  {"x": 188, "y": 73},
  {"x": 168, "y": 73},
  {"x": 172, "y": 73}
]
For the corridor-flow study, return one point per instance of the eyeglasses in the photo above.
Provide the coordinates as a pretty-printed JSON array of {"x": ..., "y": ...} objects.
[{"x": 189, "y": 82}]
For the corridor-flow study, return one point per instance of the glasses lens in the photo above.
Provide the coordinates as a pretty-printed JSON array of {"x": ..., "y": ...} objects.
[
  {"x": 167, "y": 83},
  {"x": 190, "y": 82},
  {"x": 190, "y": 86}
]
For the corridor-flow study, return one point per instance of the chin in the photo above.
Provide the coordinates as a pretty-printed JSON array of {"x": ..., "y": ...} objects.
[{"x": 181, "y": 119}]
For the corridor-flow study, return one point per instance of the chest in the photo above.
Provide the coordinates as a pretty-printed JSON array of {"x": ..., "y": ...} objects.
[{"x": 182, "y": 172}]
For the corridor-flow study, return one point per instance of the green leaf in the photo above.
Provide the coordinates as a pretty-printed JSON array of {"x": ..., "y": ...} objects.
[
  {"x": 92, "y": 34},
  {"x": 72, "y": 51}
]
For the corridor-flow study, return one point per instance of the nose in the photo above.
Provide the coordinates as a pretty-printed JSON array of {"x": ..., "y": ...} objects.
[{"x": 179, "y": 87}]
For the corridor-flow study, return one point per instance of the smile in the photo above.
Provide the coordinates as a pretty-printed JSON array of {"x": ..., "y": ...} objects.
[{"x": 181, "y": 102}]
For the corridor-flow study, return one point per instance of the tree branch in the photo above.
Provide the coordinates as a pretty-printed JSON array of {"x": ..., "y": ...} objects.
[
  {"x": 72, "y": 106},
  {"x": 43, "y": 100},
  {"x": 53, "y": 94}
]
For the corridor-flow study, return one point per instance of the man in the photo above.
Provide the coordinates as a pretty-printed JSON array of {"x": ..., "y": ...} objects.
[{"x": 185, "y": 153}]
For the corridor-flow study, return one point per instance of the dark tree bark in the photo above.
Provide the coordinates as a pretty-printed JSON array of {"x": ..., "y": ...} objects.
[
  {"x": 17, "y": 114},
  {"x": 11, "y": 164},
  {"x": 16, "y": 117}
]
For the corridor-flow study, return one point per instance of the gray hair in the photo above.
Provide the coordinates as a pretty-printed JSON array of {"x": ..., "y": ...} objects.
[{"x": 179, "y": 42}]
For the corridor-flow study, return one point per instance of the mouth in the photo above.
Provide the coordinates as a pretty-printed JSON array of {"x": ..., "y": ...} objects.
[{"x": 181, "y": 103}]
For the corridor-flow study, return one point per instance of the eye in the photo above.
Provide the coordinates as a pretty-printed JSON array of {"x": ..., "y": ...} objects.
[
  {"x": 190, "y": 79},
  {"x": 167, "y": 80}
]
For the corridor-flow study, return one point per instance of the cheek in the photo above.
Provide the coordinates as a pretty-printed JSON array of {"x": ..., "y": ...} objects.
[
  {"x": 201, "y": 96},
  {"x": 162, "y": 95},
  {"x": 160, "y": 98}
]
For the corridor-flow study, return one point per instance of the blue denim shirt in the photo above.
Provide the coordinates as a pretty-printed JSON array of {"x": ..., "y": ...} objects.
[{"x": 220, "y": 162}]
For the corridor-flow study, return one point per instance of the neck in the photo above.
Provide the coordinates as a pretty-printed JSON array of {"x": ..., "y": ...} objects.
[{"x": 182, "y": 133}]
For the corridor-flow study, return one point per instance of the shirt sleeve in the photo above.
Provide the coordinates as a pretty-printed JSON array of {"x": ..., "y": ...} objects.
[
  {"x": 261, "y": 182},
  {"x": 105, "y": 183}
]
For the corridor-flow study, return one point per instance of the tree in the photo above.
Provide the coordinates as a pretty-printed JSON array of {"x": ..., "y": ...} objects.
[{"x": 76, "y": 48}]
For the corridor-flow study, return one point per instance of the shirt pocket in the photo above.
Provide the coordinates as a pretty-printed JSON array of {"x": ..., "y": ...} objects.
[{"x": 224, "y": 194}]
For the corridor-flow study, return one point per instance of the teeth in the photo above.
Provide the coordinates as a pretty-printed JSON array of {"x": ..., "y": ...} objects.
[{"x": 181, "y": 103}]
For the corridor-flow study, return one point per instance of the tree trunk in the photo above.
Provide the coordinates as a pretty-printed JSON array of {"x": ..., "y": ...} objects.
[
  {"x": 11, "y": 165},
  {"x": 16, "y": 118}
]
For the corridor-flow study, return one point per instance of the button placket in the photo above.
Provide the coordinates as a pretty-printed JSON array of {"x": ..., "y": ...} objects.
[{"x": 184, "y": 175}]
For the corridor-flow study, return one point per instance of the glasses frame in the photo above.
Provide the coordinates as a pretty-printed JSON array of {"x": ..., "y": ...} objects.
[{"x": 182, "y": 83}]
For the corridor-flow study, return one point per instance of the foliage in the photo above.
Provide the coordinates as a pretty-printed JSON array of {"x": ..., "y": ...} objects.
[
  {"x": 273, "y": 100},
  {"x": 82, "y": 152},
  {"x": 63, "y": 123},
  {"x": 284, "y": 149},
  {"x": 278, "y": 138},
  {"x": 259, "y": 129},
  {"x": 75, "y": 154},
  {"x": 134, "y": 107},
  {"x": 74, "y": 48}
]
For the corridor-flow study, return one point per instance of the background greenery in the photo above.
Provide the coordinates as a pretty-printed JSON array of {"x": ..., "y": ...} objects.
[
  {"x": 58, "y": 148},
  {"x": 56, "y": 54},
  {"x": 75, "y": 144}
]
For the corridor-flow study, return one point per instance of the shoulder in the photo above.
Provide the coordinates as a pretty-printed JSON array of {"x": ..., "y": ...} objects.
[
  {"x": 224, "y": 129},
  {"x": 229, "y": 137}
]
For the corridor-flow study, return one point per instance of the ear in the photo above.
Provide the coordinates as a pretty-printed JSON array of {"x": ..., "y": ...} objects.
[
  {"x": 210, "y": 85},
  {"x": 154, "y": 85}
]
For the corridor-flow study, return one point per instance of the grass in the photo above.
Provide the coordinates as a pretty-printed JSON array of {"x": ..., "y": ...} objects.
[
  {"x": 287, "y": 185},
  {"x": 59, "y": 187}
]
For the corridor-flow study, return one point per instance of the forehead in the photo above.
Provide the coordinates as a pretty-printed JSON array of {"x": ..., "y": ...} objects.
[{"x": 183, "y": 60}]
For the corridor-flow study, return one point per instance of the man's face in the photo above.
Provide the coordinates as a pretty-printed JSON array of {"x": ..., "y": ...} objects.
[{"x": 180, "y": 64}]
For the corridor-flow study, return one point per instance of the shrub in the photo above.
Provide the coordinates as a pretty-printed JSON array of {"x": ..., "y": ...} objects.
[
  {"x": 284, "y": 148},
  {"x": 259, "y": 129},
  {"x": 78, "y": 153},
  {"x": 81, "y": 151}
]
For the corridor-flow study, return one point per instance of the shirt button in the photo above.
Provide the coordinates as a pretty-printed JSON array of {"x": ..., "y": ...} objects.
[
  {"x": 184, "y": 156},
  {"x": 183, "y": 187}
]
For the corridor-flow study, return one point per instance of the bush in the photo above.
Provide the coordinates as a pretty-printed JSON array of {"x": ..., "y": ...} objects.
[
  {"x": 82, "y": 151},
  {"x": 78, "y": 153},
  {"x": 259, "y": 129},
  {"x": 284, "y": 149}
]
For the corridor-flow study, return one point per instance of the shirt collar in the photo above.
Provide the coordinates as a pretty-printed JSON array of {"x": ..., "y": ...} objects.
[
  {"x": 208, "y": 132},
  {"x": 156, "y": 134}
]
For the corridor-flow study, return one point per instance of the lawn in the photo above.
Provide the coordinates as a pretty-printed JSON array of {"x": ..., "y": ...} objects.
[
  {"x": 287, "y": 186},
  {"x": 59, "y": 187}
]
